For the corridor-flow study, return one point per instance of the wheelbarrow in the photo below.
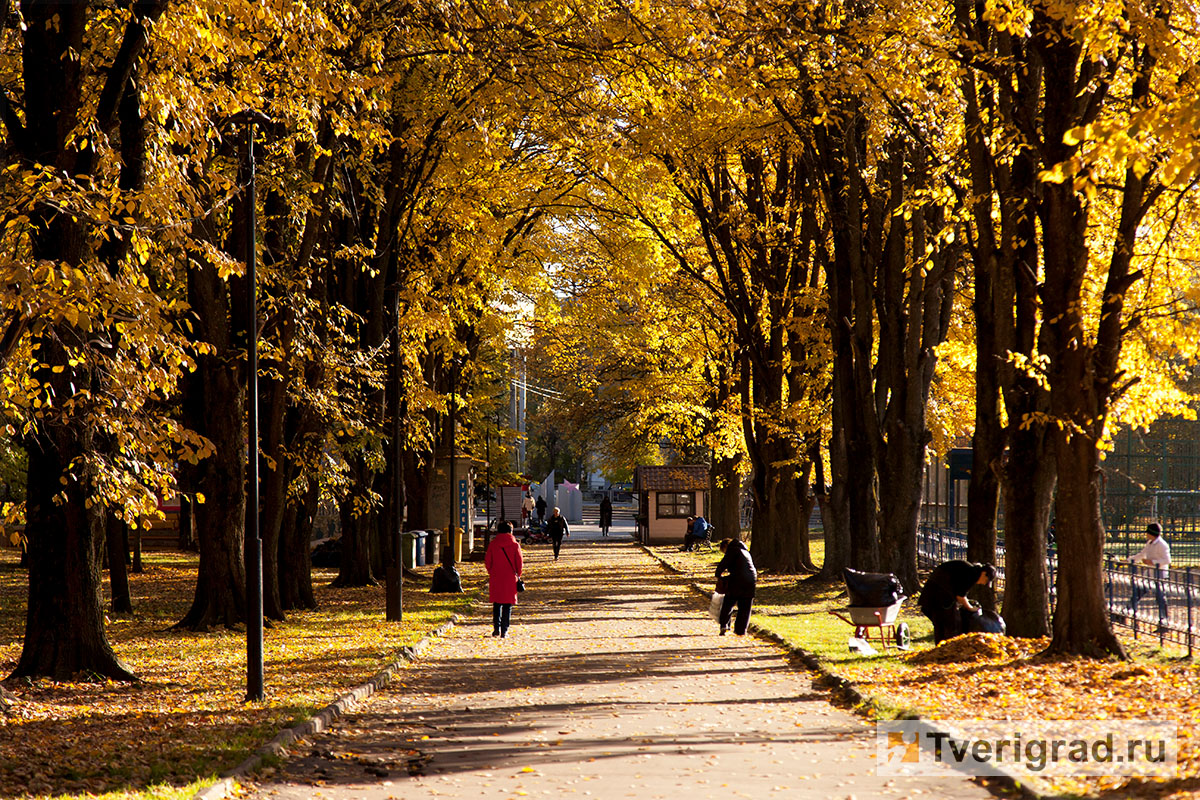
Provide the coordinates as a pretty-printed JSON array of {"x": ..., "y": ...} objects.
[{"x": 877, "y": 619}]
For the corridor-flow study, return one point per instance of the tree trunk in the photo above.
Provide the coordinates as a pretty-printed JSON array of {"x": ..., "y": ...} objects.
[
  {"x": 900, "y": 493},
  {"x": 274, "y": 471},
  {"x": 987, "y": 441},
  {"x": 64, "y": 624},
  {"x": 1081, "y": 621},
  {"x": 416, "y": 479},
  {"x": 805, "y": 499},
  {"x": 295, "y": 556},
  {"x": 1028, "y": 496},
  {"x": 357, "y": 525},
  {"x": 835, "y": 504},
  {"x": 214, "y": 407},
  {"x": 725, "y": 510},
  {"x": 117, "y": 537},
  {"x": 64, "y": 629}
]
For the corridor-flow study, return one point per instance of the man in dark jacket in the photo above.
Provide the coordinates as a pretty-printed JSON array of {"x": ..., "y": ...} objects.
[
  {"x": 944, "y": 597},
  {"x": 740, "y": 584},
  {"x": 605, "y": 515},
  {"x": 557, "y": 529}
]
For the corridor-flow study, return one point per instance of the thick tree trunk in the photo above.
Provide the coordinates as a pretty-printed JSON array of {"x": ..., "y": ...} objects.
[
  {"x": 900, "y": 494},
  {"x": 64, "y": 624},
  {"x": 274, "y": 472},
  {"x": 117, "y": 538},
  {"x": 777, "y": 512},
  {"x": 416, "y": 496},
  {"x": 295, "y": 556},
  {"x": 835, "y": 505},
  {"x": 1081, "y": 620},
  {"x": 357, "y": 533},
  {"x": 725, "y": 509},
  {"x": 64, "y": 633},
  {"x": 215, "y": 408},
  {"x": 1081, "y": 623},
  {"x": 1028, "y": 497},
  {"x": 987, "y": 441}
]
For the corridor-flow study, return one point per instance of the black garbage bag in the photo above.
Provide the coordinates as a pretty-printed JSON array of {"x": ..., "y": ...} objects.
[
  {"x": 982, "y": 621},
  {"x": 446, "y": 579},
  {"x": 872, "y": 589}
]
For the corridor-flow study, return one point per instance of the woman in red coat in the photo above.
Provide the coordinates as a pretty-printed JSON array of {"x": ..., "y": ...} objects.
[{"x": 504, "y": 565}]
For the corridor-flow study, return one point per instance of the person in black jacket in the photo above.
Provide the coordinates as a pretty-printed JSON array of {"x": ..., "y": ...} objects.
[
  {"x": 944, "y": 599},
  {"x": 740, "y": 583},
  {"x": 557, "y": 528},
  {"x": 605, "y": 515}
]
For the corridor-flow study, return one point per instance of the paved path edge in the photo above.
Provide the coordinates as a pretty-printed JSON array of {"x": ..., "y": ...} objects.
[
  {"x": 860, "y": 703},
  {"x": 223, "y": 788}
]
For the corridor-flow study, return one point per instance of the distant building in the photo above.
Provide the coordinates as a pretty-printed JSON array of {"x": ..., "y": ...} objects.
[{"x": 667, "y": 496}]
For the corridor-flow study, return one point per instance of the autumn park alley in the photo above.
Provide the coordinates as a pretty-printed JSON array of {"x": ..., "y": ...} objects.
[{"x": 612, "y": 683}]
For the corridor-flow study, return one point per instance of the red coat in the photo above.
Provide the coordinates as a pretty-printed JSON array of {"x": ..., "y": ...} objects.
[{"x": 504, "y": 563}]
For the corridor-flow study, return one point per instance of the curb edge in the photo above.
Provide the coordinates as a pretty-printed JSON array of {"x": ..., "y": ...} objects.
[{"x": 323, "y": 718}]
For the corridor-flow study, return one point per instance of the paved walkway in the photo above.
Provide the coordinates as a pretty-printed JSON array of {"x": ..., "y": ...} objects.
[{"x": 612, "y": 683}]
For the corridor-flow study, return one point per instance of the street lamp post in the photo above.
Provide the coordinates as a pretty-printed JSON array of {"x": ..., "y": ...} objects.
[{"x": 253, "y": 538}]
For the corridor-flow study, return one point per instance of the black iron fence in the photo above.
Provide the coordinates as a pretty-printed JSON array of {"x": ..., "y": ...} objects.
[{"x": 1161, "y": 603}]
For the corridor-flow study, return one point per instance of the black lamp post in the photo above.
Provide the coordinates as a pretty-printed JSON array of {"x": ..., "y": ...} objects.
[{"x": 253, "y": 543}]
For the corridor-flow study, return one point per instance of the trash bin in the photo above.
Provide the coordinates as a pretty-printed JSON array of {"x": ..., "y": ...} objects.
[
  {"x": 433, "y": 547},
  {"x": 420, "y": 548},
  {"x": 456, "y": 541},
  {"x": 408, "y": 548}
]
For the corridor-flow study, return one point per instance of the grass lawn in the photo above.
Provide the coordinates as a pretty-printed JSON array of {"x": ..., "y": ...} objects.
[
  {"x": 983, "y": 677},
  {"x": 186, "y": 721}
]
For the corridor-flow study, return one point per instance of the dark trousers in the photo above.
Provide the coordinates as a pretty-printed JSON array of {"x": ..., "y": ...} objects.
[
  {"x": 557, "y": 542},
  {"x": 947, "y": 622},
  {"x": 501, "y": 617},
  {"x": 743, "y": 613},
  {"x": 1141, "y": 587}
]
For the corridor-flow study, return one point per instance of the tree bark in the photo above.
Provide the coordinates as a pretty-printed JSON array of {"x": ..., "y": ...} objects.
[
  {"x": 117, "y": 539},
  {"x": 64, "y": 624},
  {"x": 725, "y": 509},
  {"x": 295, "y": 556},
  {"x": 1028, "y": 498},
  {"x": 358, "y": 521}
]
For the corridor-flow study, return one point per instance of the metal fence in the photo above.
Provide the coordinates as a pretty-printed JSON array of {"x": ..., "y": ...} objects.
[{"x": 1161, "y": 603}]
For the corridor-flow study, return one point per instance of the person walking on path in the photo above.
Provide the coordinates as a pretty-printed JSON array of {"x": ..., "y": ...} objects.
[
  {"x": 739, "y": 586},
  {"x": 504, "y": 564},
  {"x": 541, "y": 509},
  {"x": 557, "y": 528},
  {"x": 943, "y": 599},
  {"x": 526, "y": 509},
  {"x": 605, "y": 515},
  {"x": 1156, "y": 555}
]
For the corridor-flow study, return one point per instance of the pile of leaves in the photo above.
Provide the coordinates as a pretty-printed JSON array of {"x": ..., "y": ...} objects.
[
  {"x": 186, "y": 721},
  {"x": 975, "y": 647}
]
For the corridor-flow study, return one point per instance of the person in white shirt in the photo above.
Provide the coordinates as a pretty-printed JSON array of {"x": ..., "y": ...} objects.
[
  {"x": 526, "y": 509},
  {"x": 1157, "y": 555}
]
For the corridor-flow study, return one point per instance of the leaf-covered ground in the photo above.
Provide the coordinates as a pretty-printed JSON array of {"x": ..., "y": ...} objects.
[
  {"x": 981, "y": 677},
  {"x": 186, "y": 721}
]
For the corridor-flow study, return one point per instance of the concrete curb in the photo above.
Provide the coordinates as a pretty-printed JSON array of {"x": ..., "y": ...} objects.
[
  {"x": 860, "y": 703},
  {"x": 223, "y": 788}
]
